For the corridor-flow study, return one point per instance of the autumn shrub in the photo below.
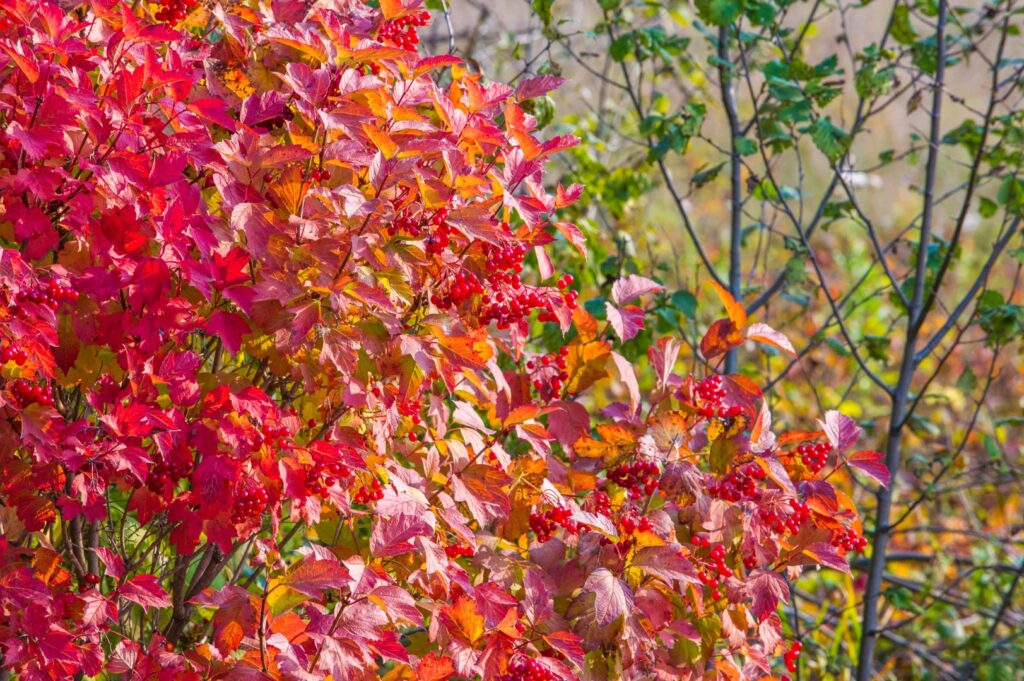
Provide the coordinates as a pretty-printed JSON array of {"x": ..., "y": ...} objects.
[{"x": 279, "y": 393}]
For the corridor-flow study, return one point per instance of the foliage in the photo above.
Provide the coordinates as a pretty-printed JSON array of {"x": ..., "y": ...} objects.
[{"x": 274, "y": 403}]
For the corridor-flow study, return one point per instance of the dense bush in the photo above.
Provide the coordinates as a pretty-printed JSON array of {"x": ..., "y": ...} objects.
[{"x": 291, "y": 388}]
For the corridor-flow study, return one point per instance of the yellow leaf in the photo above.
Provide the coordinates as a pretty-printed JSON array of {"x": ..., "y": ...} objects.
[
  {"x": 466, "y": 619},
  {"x": 381, "y": 140}
]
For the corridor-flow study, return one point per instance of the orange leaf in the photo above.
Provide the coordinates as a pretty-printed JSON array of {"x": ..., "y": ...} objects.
[
  {"x": 434, "y": 667},
  {"x": 737, "y": 313},
  {"x": 381, "y": 140},
  {"x": 721, "y": 337},
  {"x": 617, "y": 440},
  {"x": 464, "y": 619}
]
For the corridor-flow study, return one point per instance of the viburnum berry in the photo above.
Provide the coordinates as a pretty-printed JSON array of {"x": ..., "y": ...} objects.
[
  {"x": 738, "y": 484},
  {"x": 320, "y": 477},
  {"x": 548, "y": 373},
  {"x": 50, "y": 294},
  {"x": 173, "y": 11},
  {"x": 527, "y": 669},
  {"x": 814, "y": 456},
  {"x": 544, "y": 523},
  {"x": 800, "y": 513},
  {"x": 849, "y": 541},
  {"x": 169, "y": 470},
  {"x": 601, "y": 504},
  {"x": 369, "y": 493},
  {"x": 13, "y": 354},
  {"x": 27, "y": 393},
  {"x": 457, "y": 289},
  {"x": 250, "y": 501},
  {"x": 275, "y": 437},
  {"x": 439, "y": 237},
  {"x": 790, "y": 656},
  {"x": 710, "y": 394},
  {"x": 639, "y": 479},
  {"x": 405, "y": 222},
  {"x": 458, "y": 550},
  {"x": 401, "y": 31}
]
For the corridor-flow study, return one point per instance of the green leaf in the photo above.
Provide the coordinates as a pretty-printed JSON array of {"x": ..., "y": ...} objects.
[
  {"x": 830, "y": 140},
  {"x": 900, "y": 28},
  {"x": 622, "y": 47},
  {"x": 745, "y": 146},
  {"x": 686, "y": 303},
  {"x": 705, "y": 174},
  {"x": 718, "y": 12}
]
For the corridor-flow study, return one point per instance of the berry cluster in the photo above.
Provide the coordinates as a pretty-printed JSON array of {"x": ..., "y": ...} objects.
[
  {"x": 320, "y": 175},
  {"x": 168, "y": 470},
  {"x": 457, "y": 289},
  {"x": 544, "y": 523},
  {"x": 516, "y": 302},
  {"x": 549, "y": 373},
  {"x": 739, "y": 483},
  {"x": 366, "y": 494},
  {"x": 28, "y": 393},
  {"x": 507, "y": 256},
  {"x": 814, "y": 456},
  {"x": 629, "y": 523},
  {"x": 565, "y": 282},
  {"x": 51, "y": 294},
  {"x": 173, "y": 11},
  {"x": 406, "y": 222},
  {"x": 792, "y": 655},
  {"x": 458, "y": 550},
  {"x": 850, "y": 541},
  {"x": 401, "y": 31},
  {"x": 527, "y": 669},
  {"x": 714, "y": 566},
  {"x": 250, "y": 500},
  {"x": 320, "y": 477},
  {"x": 801, "y": 513},
  {"x": 274, "y": 437},
  {"x": 13, "y": 354},
  {"x": 411, "y": 408},
  {"x": 601, "y": 504},
  {"x": 570, "y": 297},
  {"x": 440, "y": 237},
  {"x": 711, "y": 393},
  {"x": 639, "y": 479}
]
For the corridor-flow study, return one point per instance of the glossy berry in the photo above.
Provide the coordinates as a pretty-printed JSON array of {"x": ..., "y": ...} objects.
[
  {"x": 369, "y": 493},
  {"x": 13, "y": 354},
  {"x": 527, "y": 669},
  {"x": 250, "y": 501},
  {"x": 544, "y": 523},
  {"x": 814, "y": 456},
  {"x": 639, "y": 479},
  {"x": 401, "y": 31},
  {"x": 790, "y": 656},
  {"x": 458, "y": 551}
]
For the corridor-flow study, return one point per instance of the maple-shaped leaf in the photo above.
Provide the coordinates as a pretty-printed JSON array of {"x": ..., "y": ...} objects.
[
  {"x": 234, "y": 620},
  {"x": 434, "y": 667},
  {"x": 841, "y": 430},
  {"x": 767, "y": 588},
  {"x": 613, "y": 598},
  {"x": 871, "y": 464},
  {"x": 762, "y": 333},
  {"x": 632, "y": 287},
  {"x": 626, "y": 321},
  {"x": 462, "y": 620},
  {"x": 146, "y": 591},
  {"x": 112, "y": 561}
]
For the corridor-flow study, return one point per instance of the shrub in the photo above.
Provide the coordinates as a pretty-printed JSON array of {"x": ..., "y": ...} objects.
[{"x": 275, "y": 402}]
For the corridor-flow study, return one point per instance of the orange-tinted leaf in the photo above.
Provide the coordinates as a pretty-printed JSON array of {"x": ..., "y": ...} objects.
[
  {"x": 434, "y": 667},
  {"x": 762, "y": 333},
  {"x": 737, "y": 313},
  {"x": 720, "y": 338}
]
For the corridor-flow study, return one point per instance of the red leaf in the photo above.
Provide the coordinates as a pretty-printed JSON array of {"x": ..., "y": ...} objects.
[
  {"x": 535, "y": 87},
  {"x": 871, "y": 464},
  {"x": 313, "y": 577},
  {"x": 146, "y": 591}
]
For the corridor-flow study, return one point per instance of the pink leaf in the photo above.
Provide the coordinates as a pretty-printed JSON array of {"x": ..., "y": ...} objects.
[
  {"x": 762, "y": 333},
  {"x": 145, "y": 591},
  {"x": 626, "y": 322},
  {"x": 111, "y": 561},
  {"x": 628, "y": 376},
  {"x": 313, "y": 577},
  {"x": 871, "y": 464},
  {"x": 573, "y": 235},
  {"x": 767, "y": 588},
  {"x": 632, "y": 287},
  {"x": 614, "y": 597},
  {"x": 842, "y": 431}
]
